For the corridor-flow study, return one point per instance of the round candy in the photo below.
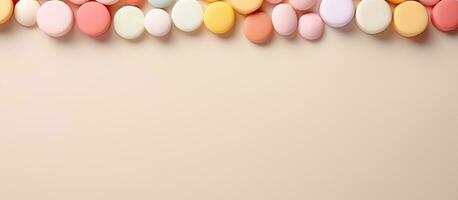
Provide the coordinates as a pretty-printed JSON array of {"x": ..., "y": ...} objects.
[
  {"x": 373, "y": 16},
  {"x": 79, "y": 2},
  {"x": 245, "y": 7},
  {"x": 258, "y": 28},
  {"x": 107, "y": 2},
  {"x": 410, "y": 19},
  {"x": 135, "y": 2},
  {"x": 6, "y": 10},
  {"x": 158, "y": 22},
  {"x": 187, "y": 15},
  {"x": 55, "y": 18},
  {"x": 302, "y": 4},
  {"x": 337, "y": 13},
  {"x": 311, "y": 26},
  {"x": 219, "y": 17},
  {"x": 445, "y": 15},
  {"x": 93, "y": 19},
  {"x": 429, "y": 2},
  {"x": 25, "y": 12},
  {"x": 396, "y": 1},
  {"x": 160, "y": 3},
  {"x": 128, "y": 22},
  {"x": 284, "y": 19}
]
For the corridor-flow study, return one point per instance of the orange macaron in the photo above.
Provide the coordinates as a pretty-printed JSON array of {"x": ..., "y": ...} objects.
[{"x": 258, "y": 28}]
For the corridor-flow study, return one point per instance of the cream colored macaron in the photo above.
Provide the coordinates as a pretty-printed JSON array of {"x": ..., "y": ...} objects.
[
  {"x": 25, "y": 12},
  {"x": 373, "y": 16},
  {"x": 128, "y": 22},
  {"x": 187, "y": 15}
]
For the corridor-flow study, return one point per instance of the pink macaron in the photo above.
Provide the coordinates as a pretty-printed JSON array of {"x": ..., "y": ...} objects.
[
  {"x": 302, "y": 4},
  {"x": 284, "y": 19},
  {"x": 311, "y": 26}
]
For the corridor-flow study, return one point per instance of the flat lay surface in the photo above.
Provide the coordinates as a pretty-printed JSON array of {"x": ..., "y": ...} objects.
[{"x": 215, "y": 117}]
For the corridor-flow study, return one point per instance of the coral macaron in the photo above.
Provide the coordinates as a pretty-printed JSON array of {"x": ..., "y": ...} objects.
[
  {"x": 445, "y": 15},
  {"x": 93, "y": 19}
]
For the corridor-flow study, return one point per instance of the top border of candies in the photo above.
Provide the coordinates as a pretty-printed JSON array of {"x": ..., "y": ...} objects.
[{"x": 409, "y": 18}]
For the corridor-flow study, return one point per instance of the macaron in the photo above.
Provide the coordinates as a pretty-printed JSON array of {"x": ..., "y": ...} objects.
[
  {"x": 337, "y": 13},
  {"x": 311, "y": 26},
  {"x": 93, "y": 19},
  {"x": 258, "y": 28},
  {"x": 78, "y": 2},
  {"x": 284, "y": 19},
  {"x": 219, "y": 17},
  {"x": 158, "y": 22},
  {"x": 107, "y": 2},
  {"x": 302, "y": 4},
  {"x": 187, "y": 15},
  {"x": 410, "y": 18},
  {"x": 25, "y": 12},
  {"x": 160, "y": 3},
  {"x": 128, "y": 22},
  {"x": 445, "y": 15},
  {"x": 55, "y": 18},
  {"x": 135, "y": 2},
  {"x": 429, "y": 2},
  {"x": 396, "y": 1},
  {"x": 245, "y": 7},
  {"x": 6, "y": 10},
  {"x": 373, "y": 16}
]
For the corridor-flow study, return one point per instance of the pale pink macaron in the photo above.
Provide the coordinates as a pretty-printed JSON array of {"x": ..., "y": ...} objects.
[
  {"x": 302, "y": 4},
  {"x": 93, "y": 19},
  {"x": 55, "y": 18},
  {"x": 284, "y": 19},
  {"x": 158, "y": 22},
  {"x": 311, "y": 26}
]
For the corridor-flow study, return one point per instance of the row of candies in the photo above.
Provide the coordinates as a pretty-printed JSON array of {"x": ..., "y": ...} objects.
[{"x": 409, "y": 18}]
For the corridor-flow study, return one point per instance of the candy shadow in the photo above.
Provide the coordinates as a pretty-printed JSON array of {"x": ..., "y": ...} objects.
[
  {"x": 7, "y": 27},
  {"x": 349, "y": 28},
  {"x": 423, "y": 38},
  {"x": 387, "y": 34}
]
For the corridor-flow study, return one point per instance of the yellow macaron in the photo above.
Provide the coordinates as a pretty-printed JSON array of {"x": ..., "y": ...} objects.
[
  {"x": 246, "y": 7},
  {"x": 219, "y": 17},
  {"x": 6, "y": 10},
  {"x": 396, "y": 1},
  {"x": 410, "y": 18}
]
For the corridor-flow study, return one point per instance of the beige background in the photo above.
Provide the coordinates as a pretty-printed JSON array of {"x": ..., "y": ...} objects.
[{"x": 200, "y": 117}]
